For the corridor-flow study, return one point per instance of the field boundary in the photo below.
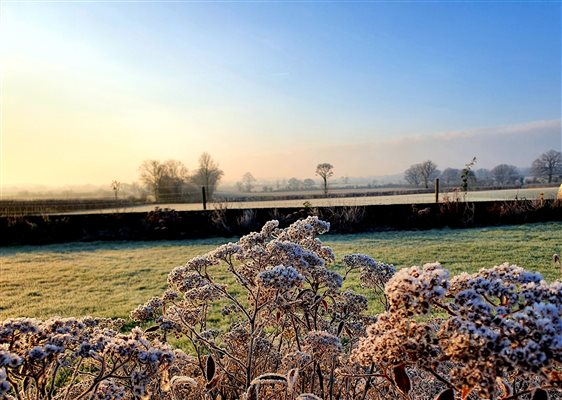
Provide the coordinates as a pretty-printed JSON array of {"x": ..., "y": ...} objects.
[
  {"x": 337, "y": 197},
  {"x": 166, "y": 224}
]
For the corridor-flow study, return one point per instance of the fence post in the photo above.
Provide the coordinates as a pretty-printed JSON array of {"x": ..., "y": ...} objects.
[
  {"x": 204, "y": 192},
  {"x": 437, "y": 190}
]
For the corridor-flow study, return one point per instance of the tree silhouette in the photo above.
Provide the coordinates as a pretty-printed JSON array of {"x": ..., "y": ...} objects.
[
  {"x": 208, "y": 174},
  {"x": 168, "y": 181},
  {"x": 422, "y": 172},
  {"x": 505, "y": 174},
  {"x": 116, "y": 186},
  {"x": 325, "y": 171},
  {"x": 549, "y": 164},
  {"x": 248, "y": 182}
]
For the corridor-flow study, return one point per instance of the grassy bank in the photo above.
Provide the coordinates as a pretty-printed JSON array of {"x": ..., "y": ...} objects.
[{"x": 110, "y": 279}]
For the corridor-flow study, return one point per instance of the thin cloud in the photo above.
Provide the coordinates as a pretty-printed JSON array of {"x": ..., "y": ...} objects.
[
  {"x": 516, "y": 144},
  {"x": 522, "y": 128}
]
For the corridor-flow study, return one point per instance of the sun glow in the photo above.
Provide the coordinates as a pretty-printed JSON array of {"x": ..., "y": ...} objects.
[{"x": 90, "y": 90}]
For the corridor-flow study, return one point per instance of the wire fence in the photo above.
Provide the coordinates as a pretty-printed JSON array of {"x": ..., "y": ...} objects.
[{"x": 18, "y": 207}]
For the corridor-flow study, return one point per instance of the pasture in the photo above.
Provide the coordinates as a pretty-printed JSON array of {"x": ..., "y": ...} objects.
[
  {"x": 342, "y": 200},
  {"x": 294, "y": 199},
  {"x": 111, "y": 279}
]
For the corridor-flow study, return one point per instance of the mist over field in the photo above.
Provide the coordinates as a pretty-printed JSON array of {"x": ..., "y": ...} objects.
[
  {"x": 516, "y": 144},
  {"x": 381, "y": 161}
]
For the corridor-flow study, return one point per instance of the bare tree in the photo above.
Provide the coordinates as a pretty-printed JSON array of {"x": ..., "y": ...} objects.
[
  {"x": 152, "y": 173},
  {"x": 428, "y": 171},
  {"x": 549, "y": 164},
  {"x": 450, "y": 176},
  {"x": 247, "y": 183},
  {"x": 422, "y": 172},
  {"x": 168, "y": 181},
  {"x": 484, "y": 177},
  {"x": 176, "y": 170},
  {"x": 505, "y": 174},
  {"x": 208, "y": 174},
  {"x": 294, "y": 184},
  {"x": 116, "y": 186},
  {"x": 308, "y": 183},
  {"x": 175, "y": 184},
  {"x": 412, "y": 175},
  {"x": 325, "y": 171}
]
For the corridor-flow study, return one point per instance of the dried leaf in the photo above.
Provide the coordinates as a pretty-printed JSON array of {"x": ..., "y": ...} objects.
[
  {"x": 325, "y": 304},
  {"x": 278, "y": 316},
  {"x": 447, "y": 394},
  {"x": 466, "y": 392},
  {"x": 292, "y": 377},
  {"x": 271, "y": 378},
  {"x": 308, "y": 396},
  {"x": 210, "y": 368},
  {"x": 179, "y": 380},
  {"x": 539, "y": 394},
  {"x": 212, "y": 383},
  {"x": 504, "y": 300},
  {"x": 340, "y": 327},
  {"x": 152, "y": 329},
  {"x": 252, "y": 393},
  {"x": 555, "y": 377},
  {"x": 165, "y": 381},
  {"x": 401, "y": 378}
]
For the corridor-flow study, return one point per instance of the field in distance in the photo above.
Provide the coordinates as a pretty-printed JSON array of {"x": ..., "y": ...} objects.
[
  {"x": 408, "y": 198},
  {"x": 111, "y": 279}
]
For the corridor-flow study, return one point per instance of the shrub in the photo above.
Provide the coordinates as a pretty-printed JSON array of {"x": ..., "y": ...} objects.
[
  {"x": 291, "y": 327},
  {"x": 163, "y": 222},
  {"x": 501, "y": 337},
  {"x": 289, "y": 331},
  {"x": 75, "y": 359}
]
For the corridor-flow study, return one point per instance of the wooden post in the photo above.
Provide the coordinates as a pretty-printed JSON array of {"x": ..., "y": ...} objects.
[
  {"x": 204, "y": 193},
  {"x": 437, "y": 190}
]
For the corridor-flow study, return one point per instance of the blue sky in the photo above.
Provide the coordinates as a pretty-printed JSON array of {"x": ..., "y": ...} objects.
[{"x": 255, "y": 83}]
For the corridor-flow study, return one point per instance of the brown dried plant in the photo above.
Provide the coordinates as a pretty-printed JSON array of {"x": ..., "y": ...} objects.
[
  {"x": 291, "y": 328},
  {"x": 289, "y": 331}
]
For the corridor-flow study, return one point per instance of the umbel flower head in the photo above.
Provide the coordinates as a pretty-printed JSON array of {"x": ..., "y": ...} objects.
[
  {"x": 280, "y": 278},
  {"x": 501, "y": 321},
  {"x": 55, "y": 349},
  {"x": 288, "y": 330}
]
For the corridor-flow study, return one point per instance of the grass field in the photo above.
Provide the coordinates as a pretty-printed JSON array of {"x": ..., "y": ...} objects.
[
  {"x": 110, "y": 279},
  {"x": 408, "y": 198}
]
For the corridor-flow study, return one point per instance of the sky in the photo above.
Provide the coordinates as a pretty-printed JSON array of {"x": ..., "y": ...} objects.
[{"x": 91, "y": 89}]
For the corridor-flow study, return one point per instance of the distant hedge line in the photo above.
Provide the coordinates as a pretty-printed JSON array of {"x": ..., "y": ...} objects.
[
  {"x": 48, "y": 206},
  {"x": 169, "y": 224}
]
